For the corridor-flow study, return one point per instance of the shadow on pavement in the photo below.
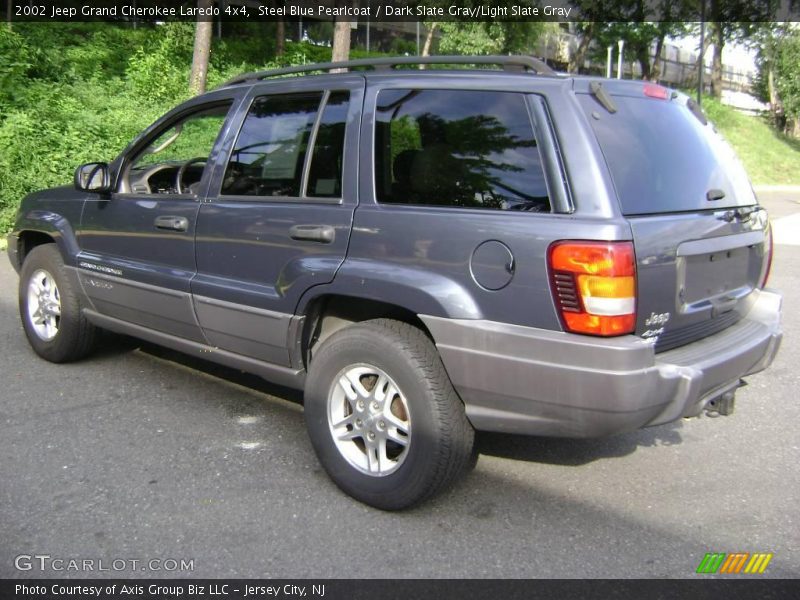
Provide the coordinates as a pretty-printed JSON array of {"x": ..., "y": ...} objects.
[
  {"x": 557, "y": 451},
  {"x": 575, "y": 452},
  {"x": 112, "y": 345}
]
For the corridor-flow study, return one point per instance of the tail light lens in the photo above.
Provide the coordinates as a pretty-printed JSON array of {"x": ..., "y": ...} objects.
[
  {"x": 594, "y": 286},
  {"x": 655, "y": 91},
  {"x": 770, "y": 248}
]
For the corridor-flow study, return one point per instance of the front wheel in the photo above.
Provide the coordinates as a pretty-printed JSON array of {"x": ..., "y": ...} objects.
[
  {"x": 50, "y": 308},
  {"x": 383, "y": 417}
]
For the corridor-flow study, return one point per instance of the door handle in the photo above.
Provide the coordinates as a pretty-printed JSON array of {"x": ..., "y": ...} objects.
[
  {"x": 325, "y": 234},
  {"x": 172, "y": 223}
]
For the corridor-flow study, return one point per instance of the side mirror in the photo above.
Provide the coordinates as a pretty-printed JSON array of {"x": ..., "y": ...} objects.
[{"x": 93, "y": 177}]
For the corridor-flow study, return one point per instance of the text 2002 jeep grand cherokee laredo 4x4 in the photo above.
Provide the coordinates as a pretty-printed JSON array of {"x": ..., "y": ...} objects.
[{"x": 425, "y": 253}]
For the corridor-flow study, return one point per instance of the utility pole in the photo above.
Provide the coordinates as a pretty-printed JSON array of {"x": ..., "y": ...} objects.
[
  {"x": 702, "y": 61},
  {"x": 621, "y": 45}
]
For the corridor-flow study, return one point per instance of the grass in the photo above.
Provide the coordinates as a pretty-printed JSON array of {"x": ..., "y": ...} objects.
[
  {"x": 770, "y": 158},
  {"x": 3, "y": 243}
]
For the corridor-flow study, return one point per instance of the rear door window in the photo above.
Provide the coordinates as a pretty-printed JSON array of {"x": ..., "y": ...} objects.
[
  {"x": 663, "y": 158},
  {"x": 458, "y": 148},
  {"x": 271, "y": 154}
]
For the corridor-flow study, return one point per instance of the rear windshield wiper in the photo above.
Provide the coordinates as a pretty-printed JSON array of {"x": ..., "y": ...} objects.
[{"x": 602, "y": 96}]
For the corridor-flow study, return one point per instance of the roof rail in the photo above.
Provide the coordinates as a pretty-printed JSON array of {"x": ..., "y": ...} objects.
[{"x": 509, "y": 63}]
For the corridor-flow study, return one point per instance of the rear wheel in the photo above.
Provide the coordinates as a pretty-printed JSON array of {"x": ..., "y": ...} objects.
[
  {"x": 383, "y": 417},
  {"x": 50, "y": 308}
]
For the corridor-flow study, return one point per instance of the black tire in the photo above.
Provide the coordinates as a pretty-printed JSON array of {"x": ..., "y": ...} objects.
[
  {"x": 440, "y": 438},
  {"x": 75, "y": 335}
]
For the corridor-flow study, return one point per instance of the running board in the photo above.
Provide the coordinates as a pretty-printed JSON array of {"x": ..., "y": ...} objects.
[{"x": 285, "y": 376}]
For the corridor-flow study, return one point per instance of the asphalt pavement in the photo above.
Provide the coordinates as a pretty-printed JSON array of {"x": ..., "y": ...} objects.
[{"x": 141, "y": 454}]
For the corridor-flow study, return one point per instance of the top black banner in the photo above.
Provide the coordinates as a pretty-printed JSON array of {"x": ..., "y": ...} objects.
[{"x": 402, "y": 10}]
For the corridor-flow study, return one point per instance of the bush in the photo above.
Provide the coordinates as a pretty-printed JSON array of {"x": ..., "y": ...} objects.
[
  {"x": 78, "y": 92},
  {"x": 77, "y": 98},
  {"x": 13, "y": 66}
]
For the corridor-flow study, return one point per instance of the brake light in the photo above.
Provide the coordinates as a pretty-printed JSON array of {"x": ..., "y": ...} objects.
[
  {"x": 770, "y": 248},
  {"x": 594, "y": 286},
  {"x": 655, "y": 91}
]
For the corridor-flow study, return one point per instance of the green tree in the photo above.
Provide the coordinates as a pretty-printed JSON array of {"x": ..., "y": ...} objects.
[
  {"x": 645, "y": 39},
  {"x": 13, "y": 68},
  {"x": 488, "y": 37},
  {"x": 779, "y": 73},
  {"x": 482, "y": 37},
  {"x": 787, "y": 78},
  {"x": 473, "y": 37},
  {"x": 732, "y": 21},
  {"x": 594, "y": 15}
]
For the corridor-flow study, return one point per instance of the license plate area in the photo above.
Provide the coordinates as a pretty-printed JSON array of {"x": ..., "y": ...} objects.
[{"x": 709, "y": 276}]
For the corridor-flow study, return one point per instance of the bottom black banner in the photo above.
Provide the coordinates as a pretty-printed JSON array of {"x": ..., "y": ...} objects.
[{"x": 389, "y": 589}]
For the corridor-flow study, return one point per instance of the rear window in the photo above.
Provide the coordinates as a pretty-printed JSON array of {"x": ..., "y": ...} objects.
[
  {"x": 458, "y": 148},
  {"x": 662, "y": 158}
]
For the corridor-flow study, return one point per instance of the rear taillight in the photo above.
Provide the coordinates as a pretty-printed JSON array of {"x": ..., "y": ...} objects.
[
  {"x": 769, "y": 249},
  {"x": 652, "y": 90},
  {"x": 594, "y": 286}
]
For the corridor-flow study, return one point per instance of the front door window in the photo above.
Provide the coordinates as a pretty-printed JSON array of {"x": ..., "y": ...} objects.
[{"x": 174, "y": 161}]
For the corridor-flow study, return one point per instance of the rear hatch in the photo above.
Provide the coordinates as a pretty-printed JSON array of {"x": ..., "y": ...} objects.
[{"x": 701, "y": 240}]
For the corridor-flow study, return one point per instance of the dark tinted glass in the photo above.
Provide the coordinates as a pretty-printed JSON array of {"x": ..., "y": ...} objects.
[
  {"x": 662, "y": 158},
  {"x": 469, "y": 149},
  {"x": 325, "y": 173},
  {"x": 270, "y": 151}
]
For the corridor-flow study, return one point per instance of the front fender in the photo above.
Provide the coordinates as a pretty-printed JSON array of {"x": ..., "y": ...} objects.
[
  {"x": 53, "y": 225},
  {"x": 54, "y": 213}
]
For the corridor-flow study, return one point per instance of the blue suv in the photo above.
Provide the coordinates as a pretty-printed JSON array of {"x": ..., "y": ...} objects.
[{"x": 425, "y": 253}]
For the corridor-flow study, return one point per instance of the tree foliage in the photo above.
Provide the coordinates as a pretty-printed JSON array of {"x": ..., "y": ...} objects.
[
  {"x": 731, "y": 21},
  {"x": 779, "y": 73},
  {"x": 644, "y": 32},
  {"x": 787, "y": 73},
  {"x": 78, "y": 92}
]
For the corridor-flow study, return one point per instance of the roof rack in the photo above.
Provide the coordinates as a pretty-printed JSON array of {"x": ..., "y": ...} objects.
[{"x": 509, "y": 63}]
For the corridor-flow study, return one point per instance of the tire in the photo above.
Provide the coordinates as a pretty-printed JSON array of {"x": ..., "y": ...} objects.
[
  {"x": 50, "y": 308},
  {"x": 383, "y": 417}
]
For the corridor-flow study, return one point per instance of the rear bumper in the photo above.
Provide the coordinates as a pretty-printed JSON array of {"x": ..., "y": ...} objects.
[{"x": 530, "y": 381}]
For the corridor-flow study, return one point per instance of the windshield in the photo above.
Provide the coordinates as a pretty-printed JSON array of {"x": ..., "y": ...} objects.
[{"x": 663, "y": 158}]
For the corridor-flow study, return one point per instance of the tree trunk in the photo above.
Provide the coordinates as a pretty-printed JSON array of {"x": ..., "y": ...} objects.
[
  {"x": 280, "y": 38},
  {"x": 643, "y": 57},
  {"x": 655, "y": 73},
  {"x": 794, "y": 131},
  {"x": 202, "y": 49},
  {"x": 341, "y": 41},
  {"x": 701, "y": 63},
  {"x": 577, "y": 58},
  {"x": 716, "y": 65},
  {"x": 426, "y": 48},
  {"x": 775, "y": 104}
]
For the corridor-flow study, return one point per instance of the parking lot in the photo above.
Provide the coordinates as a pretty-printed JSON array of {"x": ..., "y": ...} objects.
[{"x": 142, "y": 454}]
